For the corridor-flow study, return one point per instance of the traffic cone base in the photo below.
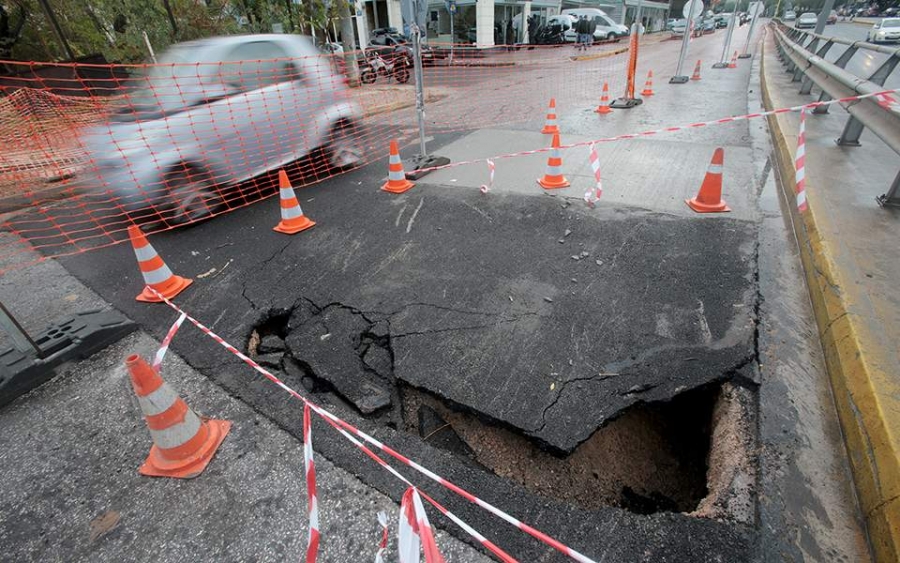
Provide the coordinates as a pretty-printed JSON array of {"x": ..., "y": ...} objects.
[
  {"x": 213, "y": 433},
  {"x": 699, "y": 207},
  {"x": 696, "y": 75},
  {"x": 604, "y": 108},
  {"x": 397, "y": 186},
  {"x": 300, "y": 225},
  {"x": 648, "y": 85},
  {"x": 553, "y": 182},
  {"x": 176, "y": 285}
]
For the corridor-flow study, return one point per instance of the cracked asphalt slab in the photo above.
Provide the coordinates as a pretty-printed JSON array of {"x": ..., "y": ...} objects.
[{"x": 487, "y": 309}]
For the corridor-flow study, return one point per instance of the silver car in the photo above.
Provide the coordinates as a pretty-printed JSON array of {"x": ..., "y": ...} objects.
[
  {"x": 214, "y": 113},
  {"x": 808, "y": 19}
]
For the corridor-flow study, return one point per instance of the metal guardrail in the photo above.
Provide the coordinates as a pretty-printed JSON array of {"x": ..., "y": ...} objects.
[{"x": 803, "y": 52}]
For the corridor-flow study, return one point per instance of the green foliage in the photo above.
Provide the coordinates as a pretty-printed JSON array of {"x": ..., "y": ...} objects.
[{"x": 115, "y": 27}]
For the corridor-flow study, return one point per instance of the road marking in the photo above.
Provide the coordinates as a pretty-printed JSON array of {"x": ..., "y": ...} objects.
[{"x": 413, "y": 218}]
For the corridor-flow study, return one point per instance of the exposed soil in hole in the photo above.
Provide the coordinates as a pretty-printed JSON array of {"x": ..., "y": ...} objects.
[
  {"x": 651, "y": 459},
  {"x": 692, "y": 454}
]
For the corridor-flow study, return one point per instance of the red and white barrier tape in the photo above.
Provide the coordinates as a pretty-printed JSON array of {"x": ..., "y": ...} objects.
[
  {"x": 341, "y": 427},
  {"x": 485, "y": 188},
  {"x": 164, "y": 347},
  {"x": 312, "y": 545},
  {"x": 800, "y": 164},
  {"x": 382, "y": 547},
  {"x": 592, "y": 196},
  {"x": 880, "y": 95}
]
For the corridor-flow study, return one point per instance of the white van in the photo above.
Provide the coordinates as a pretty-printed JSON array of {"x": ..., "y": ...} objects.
[{"x": 606, "y": 28}]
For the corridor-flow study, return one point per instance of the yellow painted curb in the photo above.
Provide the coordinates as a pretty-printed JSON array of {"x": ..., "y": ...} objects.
[{"x": 867, "y": 397}]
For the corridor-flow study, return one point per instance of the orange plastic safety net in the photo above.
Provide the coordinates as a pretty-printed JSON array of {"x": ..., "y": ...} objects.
[{"x": 90, "y": 149}]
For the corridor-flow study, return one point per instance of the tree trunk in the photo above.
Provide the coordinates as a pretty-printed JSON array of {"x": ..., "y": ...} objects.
[
  {"x": 59, "y": 33},
  {"x": 171, "y": 19},
  {"x": 349, "y": 44}
]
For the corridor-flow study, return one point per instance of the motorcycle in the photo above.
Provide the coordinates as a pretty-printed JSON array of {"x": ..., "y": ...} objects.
[
  {"x": 549, "y": 35},
  {"x": 374, "y": 65}
]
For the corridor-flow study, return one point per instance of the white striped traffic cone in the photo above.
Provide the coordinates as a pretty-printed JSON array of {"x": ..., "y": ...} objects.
[
  {"x": 554, "y": 177},
  {"x": 550, "y": 126},
  {"x": 156, "y": 274},
  {"x": 292, "y": 218},
  {"x": 183, "y": 443},
  {"x": 397, "y": 182}
]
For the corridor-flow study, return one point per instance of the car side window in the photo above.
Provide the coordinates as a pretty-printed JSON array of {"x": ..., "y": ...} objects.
[{"x": 258, "y": 64}]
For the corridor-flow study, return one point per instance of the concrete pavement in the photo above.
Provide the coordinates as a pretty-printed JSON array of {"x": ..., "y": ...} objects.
[{"x": 848, "y": 247}]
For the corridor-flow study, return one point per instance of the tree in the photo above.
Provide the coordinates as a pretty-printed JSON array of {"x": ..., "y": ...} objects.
[{"x": 11, "y": 28}]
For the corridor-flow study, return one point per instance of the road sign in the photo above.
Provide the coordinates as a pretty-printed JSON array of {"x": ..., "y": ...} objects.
[
  {"x": 451, "y": 6},
  {"x": 692, "y": 10}
]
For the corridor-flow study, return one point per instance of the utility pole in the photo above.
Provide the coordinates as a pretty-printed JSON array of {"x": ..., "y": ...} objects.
[
  {"x": 823, "y": 16},
  {"x": 51, "y": 17}
]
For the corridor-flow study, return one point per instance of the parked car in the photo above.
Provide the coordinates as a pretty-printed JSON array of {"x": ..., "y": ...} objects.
[
  {"x": 709, "y": 25},
  {"x": 887, "y": 30},
  {"x": 832, "y": 18},
  {"x": 214, "y": 113},
  {"x": 678, "y": 28},
  {"x": 721, "y": 20},
  {"x": 789, "y": 16},
  {"x": 806, "y": 19},
  {"x": 607, "y": 29}
]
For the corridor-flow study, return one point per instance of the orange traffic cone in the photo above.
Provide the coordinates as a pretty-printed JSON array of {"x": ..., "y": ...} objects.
[
  {"x": 554, "y": 177},
  {"x": 696, "y": 75},
  {"x": 648, "y": 86},
  {"x": 292, "y": 218},
  {"x": 156, "y": 274},
  {"x": 604, "y": 101},
  {"x": 550, "y": 126},
  {"x": 397, "y": 182},
  {"x": 733, "y": 63},
  {"x": 183, "y": 443},
  {"x": 709, "y": 198}
]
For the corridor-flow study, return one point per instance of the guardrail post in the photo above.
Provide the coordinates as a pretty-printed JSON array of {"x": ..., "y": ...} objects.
[
  {"x": 892, "y": 197},
  {"x": 807, "y": 85},
  {"x": 854, "y": 127},
  {"x": 840, "y": 63}
]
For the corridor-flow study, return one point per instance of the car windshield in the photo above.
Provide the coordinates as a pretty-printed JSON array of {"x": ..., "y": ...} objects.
[
  {"x": 895, "y": 22},
  {"x": 176, "y": 82}
]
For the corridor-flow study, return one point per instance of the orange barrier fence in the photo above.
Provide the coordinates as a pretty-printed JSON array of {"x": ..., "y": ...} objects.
[{"x": 178, "y": 141}]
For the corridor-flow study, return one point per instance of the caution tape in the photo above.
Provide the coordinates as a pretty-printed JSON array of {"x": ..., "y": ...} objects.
[
  {"x": 345, "y": 429},
  {"x": 164, "y": 347},
  {"x": 889, "y": 103}
]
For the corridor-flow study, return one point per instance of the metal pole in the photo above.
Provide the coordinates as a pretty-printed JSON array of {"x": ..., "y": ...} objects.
[
  {"x": 680, "y": 78},
  {"x": 420, "y": 89},
  {"x": 20, "y": 338},
  {"x": 723, "y": 62},
  {"x": 823, "y": 16},
  {"x": 756, "y": 11},
  {"x": 452, "y": 35},
  {"x": 640, "y": 9},
  {"x": 149, "y": 47}
]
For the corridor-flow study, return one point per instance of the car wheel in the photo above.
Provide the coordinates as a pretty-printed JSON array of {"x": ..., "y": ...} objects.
[
  {"x": 368, "y": 76},
  {"x": 345, "y": 149},
  {"x": 193, "y": 195},
  {"x": 610, "y": 36},
  {"x": 401, "y": 75}
]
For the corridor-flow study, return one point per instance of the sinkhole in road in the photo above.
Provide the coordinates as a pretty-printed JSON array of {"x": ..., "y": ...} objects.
[{"x": 692, "y": 454}]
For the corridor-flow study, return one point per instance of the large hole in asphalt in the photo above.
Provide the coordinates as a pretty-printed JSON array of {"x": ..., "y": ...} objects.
[{"x": 691, "y": 454}]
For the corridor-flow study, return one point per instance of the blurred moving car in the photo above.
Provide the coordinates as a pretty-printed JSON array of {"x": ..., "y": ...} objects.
[
  {"x": 832, "y": 18},
  {"x": 807, "y": 19},
  {"x": 214, "y": 113},
  {"x": 789, "y": 16},
  {"x": 887, "y": 30}
]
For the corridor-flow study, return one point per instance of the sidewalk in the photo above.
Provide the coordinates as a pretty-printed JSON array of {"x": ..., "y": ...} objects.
[{"x": 849, "y": 250}]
